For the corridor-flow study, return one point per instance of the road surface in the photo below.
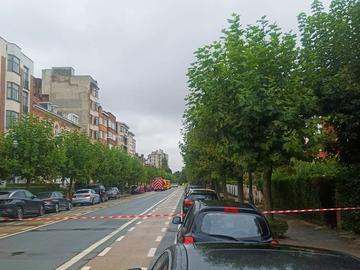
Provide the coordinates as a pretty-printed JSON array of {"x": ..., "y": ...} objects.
[{"x": 93, "y": 244}]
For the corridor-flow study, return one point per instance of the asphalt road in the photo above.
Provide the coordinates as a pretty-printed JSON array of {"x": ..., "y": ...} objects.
[{"x": 52, "y": 246}]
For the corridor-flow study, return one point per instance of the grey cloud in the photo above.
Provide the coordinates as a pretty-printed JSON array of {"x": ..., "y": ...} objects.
[{"x": 138, "y": 51}]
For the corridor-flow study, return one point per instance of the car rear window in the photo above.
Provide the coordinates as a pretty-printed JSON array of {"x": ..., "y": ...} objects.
[
  {"x": 4, "y": 194},
  {"x": 236, "y": 225},
  {"x": 82, "y": 191},
  {"x": 203, "y": 197}
]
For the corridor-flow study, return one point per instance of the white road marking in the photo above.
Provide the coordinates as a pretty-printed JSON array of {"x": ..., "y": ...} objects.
[
  {"x": 103, "y": 253},
  {"x": 131, "y": 229},
  {"x": 145, "y": 217},
  {"x": 103, "y": 240},
  {"x": 158, "y": 239},
  {"x": 138, "y": 223},
  {"x": 120, "y": 238},
  {"x": 143, "y": 268},
  {"x": 163, "y": 230},
  {"x": 167, "y": 223},
  {"x": 85, "y": 268},
  {"x": 151, "y": 252},
  {"x": 26, "y": 228},
  {"x": 169, "y": 218}
]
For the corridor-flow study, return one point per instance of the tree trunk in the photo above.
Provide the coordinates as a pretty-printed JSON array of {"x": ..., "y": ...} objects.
[
  {"x": 224, "y": 189},
  {"x": 251, "y": 195},
  {"x": 240, "y": 187},
  {"x": 70, "y": 188},
  {"x": 28, "y": 182},
  {"x": 267, "y": 189}
]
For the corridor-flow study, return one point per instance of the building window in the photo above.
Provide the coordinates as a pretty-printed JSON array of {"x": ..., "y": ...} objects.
[
  {"x": 13, "y": 64},
  {"x": 25, "y": 102},
  {"x": 11, "y": 117},
  {"x": 26, "y": 78},
  {"x": 12, "y": 91}
]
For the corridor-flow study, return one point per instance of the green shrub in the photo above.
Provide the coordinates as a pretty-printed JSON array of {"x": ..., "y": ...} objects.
[{"x": 278, "y": 227}]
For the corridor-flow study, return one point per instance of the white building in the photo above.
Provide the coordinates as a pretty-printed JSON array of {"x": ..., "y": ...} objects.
[
  {"x": 16, "y": 77},
  {"x": 158, "y": 159}
]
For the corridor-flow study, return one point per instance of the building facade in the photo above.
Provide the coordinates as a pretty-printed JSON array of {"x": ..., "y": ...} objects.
[
  {"x": 122, "y": 135},
  {"x": 131, "y": 144},
  {"x": 111, "y": 130},
  {"x": 16, "y": 76},
  {"x": 158, "y": 159},
  {"x": 74, "y": 94}
]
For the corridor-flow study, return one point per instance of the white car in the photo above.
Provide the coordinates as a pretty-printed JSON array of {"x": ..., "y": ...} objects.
[{"x": 85, "y": 196}]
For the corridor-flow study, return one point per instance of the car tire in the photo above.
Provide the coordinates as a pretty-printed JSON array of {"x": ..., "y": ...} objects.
[
  {"x": 41, "y": 210},
  {"x": 68, "y": 206},
  {"x": 56, "y": 209},
  {"x": 19, "y": 213}
]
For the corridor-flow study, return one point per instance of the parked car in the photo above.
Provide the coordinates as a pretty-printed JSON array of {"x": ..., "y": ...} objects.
[
  {"x": 231, "y": 256},
  {"x": 209, "y": 221},
  {"x": 54, "y": 201},
  {"x": 20, "y": 203},
  {"x": 85, "y": 196},
  {"x": 113, "y": 193},
  {"x": 198, "y": 195},
  {"x": 100, "y": 190},
  {"x": 189, "y": 187}
]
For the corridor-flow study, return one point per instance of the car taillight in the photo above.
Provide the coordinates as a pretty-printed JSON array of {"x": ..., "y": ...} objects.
[
  {"x": 188, "y": 240},
  {"x": 274, "y": 242},
  {"x": 188, "y": 202},
  {"x": 231, "y": 210}
]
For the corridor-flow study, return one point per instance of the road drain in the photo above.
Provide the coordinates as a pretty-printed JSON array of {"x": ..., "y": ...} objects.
[{"x": 17, "y": 253}]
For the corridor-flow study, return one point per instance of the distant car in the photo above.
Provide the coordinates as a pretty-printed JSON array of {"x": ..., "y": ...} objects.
[
  {"x": 54, "y": 201},
  {"x": 235, "y": 256},
  {"x": 20, "y": 203},
  {"x": 189, "y": 187},
  {"x": 175, "y": 185},
  {"x": 209, "y": 221},
  {"x": 198, "y": 195},
  {"x": 100, "y": 190},
  {"x": 85, "y": 196},
  {"x": 113, "y": 193}
]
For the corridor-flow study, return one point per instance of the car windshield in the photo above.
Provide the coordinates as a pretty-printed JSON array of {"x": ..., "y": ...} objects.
[
  {"x": 4, "y": 194},
  {"x": 239, "y": 226},
  {"x": 203, "y": 197},
  {"x": 83, "y": 191},
  {"x": 44, "y": 195}
]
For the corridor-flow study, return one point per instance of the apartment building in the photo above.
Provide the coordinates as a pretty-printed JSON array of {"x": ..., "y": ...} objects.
[
  {"x": 103, "y": 120},
  {"x": 111, "y": 130},
  {"x": 77, "y": 94},
  {"x": 122, "y": 135},
  {"x": 16, "y": 75},
  {"x": 131, "y": 144},
  {"x": 158, "y": 159}
]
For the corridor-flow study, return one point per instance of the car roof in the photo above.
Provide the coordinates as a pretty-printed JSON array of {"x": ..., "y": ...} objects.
[
  {"x": 226, "y": 203},
  {"x": 230, "y": 256},
  {"x": 201, "y": 190}
]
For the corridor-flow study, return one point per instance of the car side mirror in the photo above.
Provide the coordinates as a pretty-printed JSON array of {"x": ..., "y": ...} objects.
[
  {"x": 176, "y": 220},
  {"x": 33, "y": 197}
]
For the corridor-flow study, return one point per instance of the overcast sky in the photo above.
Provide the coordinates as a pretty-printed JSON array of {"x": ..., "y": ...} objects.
[{"x": 138, "y": 51}]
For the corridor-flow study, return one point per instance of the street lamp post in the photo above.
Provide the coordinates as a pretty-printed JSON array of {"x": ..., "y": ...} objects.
[{"x": 15, "y": 145}]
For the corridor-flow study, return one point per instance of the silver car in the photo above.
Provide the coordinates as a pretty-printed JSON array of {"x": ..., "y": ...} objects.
[{"x": 85, "y": 196}]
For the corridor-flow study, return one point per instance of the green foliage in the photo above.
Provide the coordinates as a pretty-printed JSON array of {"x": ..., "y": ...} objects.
[
  {"x": 278, "y": 227},
  {"x": 36, "y": 153}
]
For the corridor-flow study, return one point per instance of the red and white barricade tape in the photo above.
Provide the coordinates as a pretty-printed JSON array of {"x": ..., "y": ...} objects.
[{"x": 173, "y": 215}]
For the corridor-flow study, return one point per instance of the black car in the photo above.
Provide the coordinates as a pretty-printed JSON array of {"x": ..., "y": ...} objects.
[
  {"x": 54, "y": 201},
  {"x": 100, "y": 190},
  {"x": 198, "y": 195},
  {"x": 189, "y": 187},
  {"x": 209, "y": 221},
  {"x": 231, "y": 256},
  {"x": 113, "y": 193},
  {"x": 20, "y": 203}
]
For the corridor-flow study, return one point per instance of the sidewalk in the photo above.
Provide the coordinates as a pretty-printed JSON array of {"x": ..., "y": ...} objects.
[{"x": 303, "y": 233}]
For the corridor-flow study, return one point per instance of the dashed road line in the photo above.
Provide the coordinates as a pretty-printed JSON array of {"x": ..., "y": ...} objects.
[
  {"x": 85, "y": 268},
  {"x": 138, "y": 223},
  {"x": 167, "y": 223},
  {"x": 103, "y": 253},
  {"x": 158, "y": 239},
  {"x": 131, "y": 229},
  {"x": 163, "y": 230},
  {"x": 26, "y": 228},
  {"x": 151, "y": 252},
  {"x": 120, "y": 238}
]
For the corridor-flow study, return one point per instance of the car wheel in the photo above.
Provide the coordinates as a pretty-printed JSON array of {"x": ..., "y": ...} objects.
[
  {"x": 41, "y": 210},
  {"x": 56, "y": 210},
  {"x": 19, "y": 213},
  {"x": 68, "y": 206}
]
